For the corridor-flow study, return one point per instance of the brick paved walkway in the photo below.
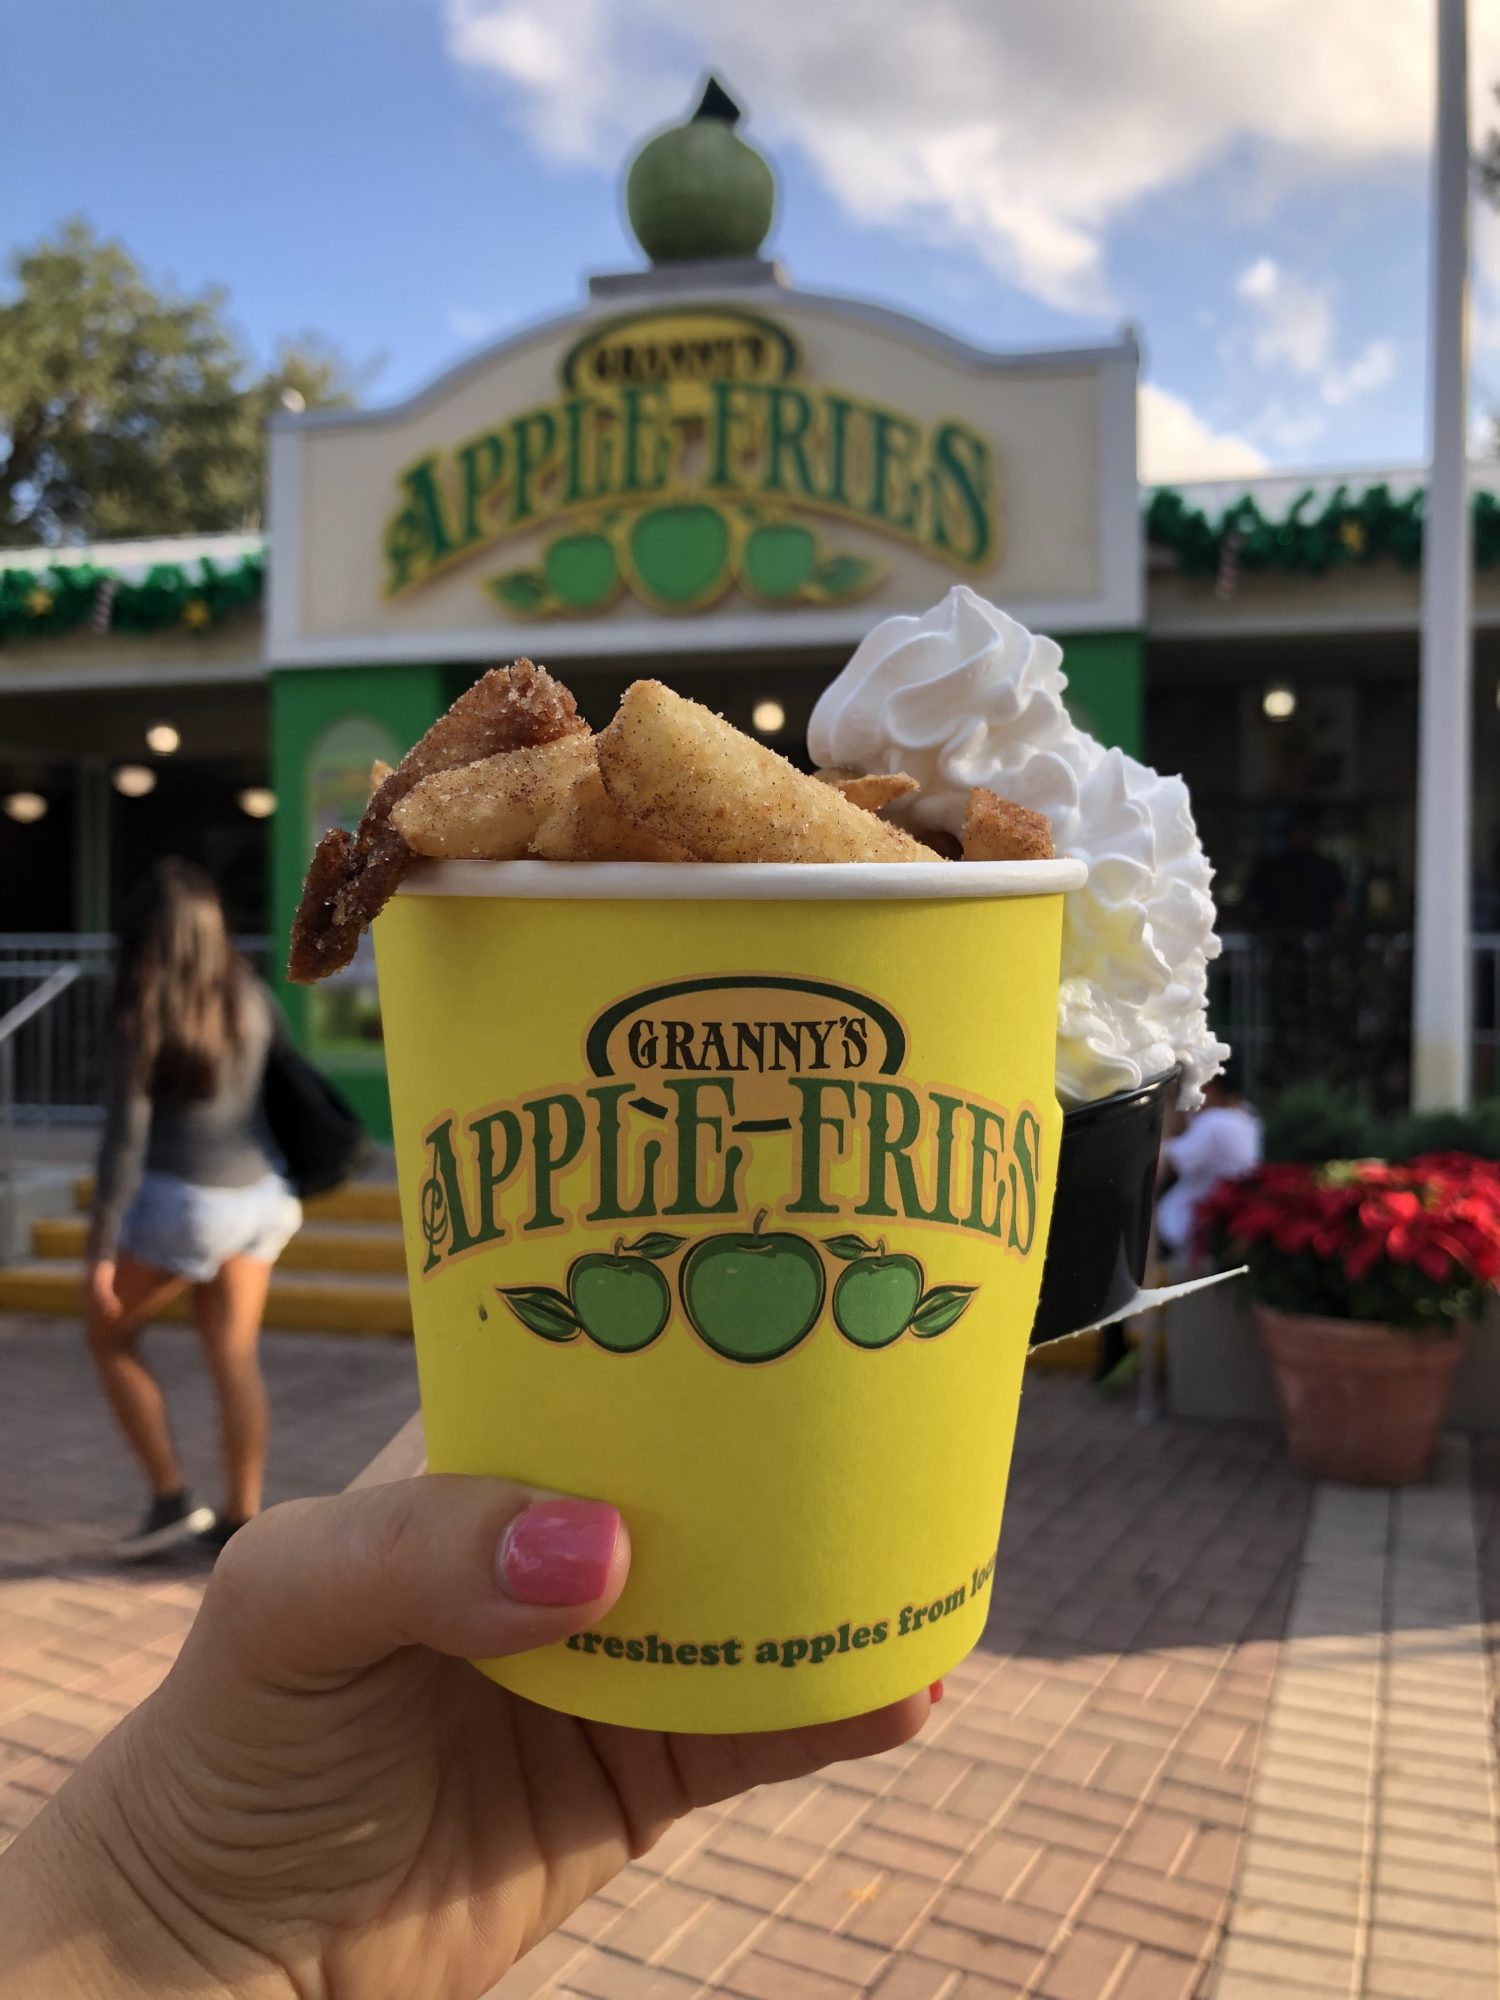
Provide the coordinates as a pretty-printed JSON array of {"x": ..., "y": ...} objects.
[
  {"x": 1068, "y": 1827},
  {"x": 1369, "y": 1865}
]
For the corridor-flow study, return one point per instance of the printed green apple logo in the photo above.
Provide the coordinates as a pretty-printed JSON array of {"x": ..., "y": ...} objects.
[
  {"x": 681, "y": 553},
  {"x": 880, "y": 1297},
  {"x": 582, "y": 571},
  {"x": 874, "y": 1300},
  {"x": 753, "y": 1297},
  {"x": 778, "y": 558},
  {"x": 620, "y": 1300}
]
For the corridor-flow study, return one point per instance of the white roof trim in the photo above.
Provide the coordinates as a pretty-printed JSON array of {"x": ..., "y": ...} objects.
[
  {"x": 131, "y": 560},
  {"x": 1275, "y": 491}
]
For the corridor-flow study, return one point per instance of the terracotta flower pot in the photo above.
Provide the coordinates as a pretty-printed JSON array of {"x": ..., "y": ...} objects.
[{"x": 1360, "y": 1403}]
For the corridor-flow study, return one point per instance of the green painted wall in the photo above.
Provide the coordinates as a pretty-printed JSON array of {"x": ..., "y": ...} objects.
[
  {"x": 311, "y": 709},
  {"x": 1106, "y": 686}
]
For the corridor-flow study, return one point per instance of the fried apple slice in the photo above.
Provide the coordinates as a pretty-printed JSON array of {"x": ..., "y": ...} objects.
[
  {"x": 352, "y": 877},
  {"x": 997, "y": 829},
  {"x": 490, "y": 810},
  {"x": 589, "y": 826},
  {"x": 694, "y": 779},
  {"x": 871, "y": 791}
]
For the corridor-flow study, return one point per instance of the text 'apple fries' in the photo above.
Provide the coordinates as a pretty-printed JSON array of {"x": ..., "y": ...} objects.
[{"x": 512, "y": 771}]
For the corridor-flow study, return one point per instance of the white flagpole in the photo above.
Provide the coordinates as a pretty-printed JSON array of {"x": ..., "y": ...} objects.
[{"x": 1441, "y": 1000}]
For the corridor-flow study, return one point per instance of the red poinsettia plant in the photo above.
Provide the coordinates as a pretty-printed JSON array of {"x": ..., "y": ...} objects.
[{"x": 1412, "y": 1246}]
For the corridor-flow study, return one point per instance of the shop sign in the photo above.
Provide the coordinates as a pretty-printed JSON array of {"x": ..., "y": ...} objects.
[{"x": 684, "y": 454}]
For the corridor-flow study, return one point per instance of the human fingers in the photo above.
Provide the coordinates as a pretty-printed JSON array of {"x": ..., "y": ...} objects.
[
  {"x": 316, "y": 1590},
  {"x": 661, "y": 1777},
  {"x": 716, "y": 1767}
]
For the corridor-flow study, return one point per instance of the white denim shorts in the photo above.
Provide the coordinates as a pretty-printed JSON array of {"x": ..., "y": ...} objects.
[{"x": 193, "y": 1231}]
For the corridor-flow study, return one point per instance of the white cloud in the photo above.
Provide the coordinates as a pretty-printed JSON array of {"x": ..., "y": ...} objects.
[
  {"x": 1293, "y": 326},
  {"x": 472, "y": 326},
  {"x": 1291, "y": 431},
  {"x": 1294, "y": 320},
  {"x": 1021, "y": 131},
  {"x": 1371, "y": 368},
  {"x": 1176, "y": 444}
]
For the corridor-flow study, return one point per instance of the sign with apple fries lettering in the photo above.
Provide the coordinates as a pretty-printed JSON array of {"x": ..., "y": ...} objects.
[{"x": 733, "y": 1212}]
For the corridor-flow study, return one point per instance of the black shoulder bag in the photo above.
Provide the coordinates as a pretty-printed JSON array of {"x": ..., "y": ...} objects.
[{"x": 316, "y": 1128}]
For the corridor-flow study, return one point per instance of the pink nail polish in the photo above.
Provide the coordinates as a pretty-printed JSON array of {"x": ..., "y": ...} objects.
[
  {"x": 559, "y": 1551},
  {"x": 935, "y": 1693}
]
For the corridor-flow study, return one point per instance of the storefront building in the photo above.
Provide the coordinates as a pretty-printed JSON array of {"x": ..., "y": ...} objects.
[{"x": 712, "y": 476}]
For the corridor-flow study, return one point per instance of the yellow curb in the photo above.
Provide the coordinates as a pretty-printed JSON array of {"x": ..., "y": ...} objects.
[
  {"x": 300, "y": 1302},
  {"x": 374, "y": 1249}
]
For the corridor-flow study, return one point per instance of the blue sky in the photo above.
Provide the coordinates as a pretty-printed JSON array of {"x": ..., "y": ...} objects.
[{"x": 407, "y": 177}]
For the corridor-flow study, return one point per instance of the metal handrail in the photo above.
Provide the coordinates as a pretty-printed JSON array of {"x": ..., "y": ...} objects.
[
  {"x": 45, "y": 994},
  {"x": 56, "y": 983}
]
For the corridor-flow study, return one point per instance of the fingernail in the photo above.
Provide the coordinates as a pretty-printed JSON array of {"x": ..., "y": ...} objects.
[
  {"x": 559, "y": 1551},
  {"x": 935, "y": 1693}
]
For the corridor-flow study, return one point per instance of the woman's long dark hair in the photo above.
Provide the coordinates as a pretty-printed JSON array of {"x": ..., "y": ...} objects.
[{"x": 176, "y": 1009}]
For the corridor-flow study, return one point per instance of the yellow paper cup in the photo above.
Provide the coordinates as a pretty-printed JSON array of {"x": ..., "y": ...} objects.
[{"x": 726, "y": 1194}]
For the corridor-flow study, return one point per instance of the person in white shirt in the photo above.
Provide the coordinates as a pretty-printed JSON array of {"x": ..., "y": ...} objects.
[{"x": 1218, "y": 1143}]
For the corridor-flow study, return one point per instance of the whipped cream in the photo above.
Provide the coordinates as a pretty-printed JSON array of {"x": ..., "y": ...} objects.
[{"x": 966, "y": 696}]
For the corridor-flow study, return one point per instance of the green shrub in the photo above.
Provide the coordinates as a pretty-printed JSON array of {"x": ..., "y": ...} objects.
[
  {"x": 1311, "y": 1122},
  {"x": 1476, "y": 1132}
]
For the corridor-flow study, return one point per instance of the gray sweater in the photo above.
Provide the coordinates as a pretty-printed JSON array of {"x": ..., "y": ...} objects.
[{"x": 220, "y": 1141}]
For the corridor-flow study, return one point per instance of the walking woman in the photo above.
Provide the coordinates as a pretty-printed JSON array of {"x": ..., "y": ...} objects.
[{"x": 189, "y": 1192}]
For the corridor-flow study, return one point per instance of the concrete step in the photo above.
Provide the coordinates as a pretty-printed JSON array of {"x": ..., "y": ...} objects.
[
  {"x": 323, "y": 1302},
  {"x": 361, "y": 1247},
  {"x": 356, "y": 1201}
]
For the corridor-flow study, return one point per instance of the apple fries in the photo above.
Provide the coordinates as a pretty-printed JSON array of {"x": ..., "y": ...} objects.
[
  {"x": 997, "y": 829},
  {"x": 588, "y": 826},
  {"x": 491, "y": 809},
  {"x": 692, "y": 778},
  {"x": 512, "y": 770},
  {"x": 871, "y": 791},
  {"x": 352, "y": 876}
]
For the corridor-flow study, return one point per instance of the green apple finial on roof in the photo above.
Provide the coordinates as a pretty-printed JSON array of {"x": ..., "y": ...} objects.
[{"x": 697, "y": 190}]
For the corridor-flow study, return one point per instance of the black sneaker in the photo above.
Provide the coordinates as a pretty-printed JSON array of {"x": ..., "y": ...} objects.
[
  {"x": 217, "y": 1531},
  {"x": 170, "y": 1519}
]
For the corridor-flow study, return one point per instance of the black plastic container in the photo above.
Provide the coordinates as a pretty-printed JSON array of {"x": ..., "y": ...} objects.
[{"x": 1101, "y": 1214}]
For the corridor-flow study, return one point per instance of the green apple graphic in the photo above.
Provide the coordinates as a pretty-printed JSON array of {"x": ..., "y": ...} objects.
[
  {"x": 620, "y": 1300},
  {"x": 875, "y": 1299},
  {"x": 582, "y": 571},
  {"x": 680, "y": 553},
  {"x": 880, "y": 1297},
  {"x": 753, "y": 1297},
  {"x": 778, "y": 558}
]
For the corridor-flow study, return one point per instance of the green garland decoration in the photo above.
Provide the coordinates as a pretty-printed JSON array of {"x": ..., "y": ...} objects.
[
  {"x": 1348, "y": 528},
  {"x": 192, "y": 597}
]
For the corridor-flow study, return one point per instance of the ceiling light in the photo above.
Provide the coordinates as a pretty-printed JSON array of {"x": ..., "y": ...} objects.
[
  {"x": 162, "y": 739},
  {"x": 1278, "y": 703},
  {"x": 769, "y": 717},
  {"x": 258, "y": 801},
  {"x": 26, "y": 808},
  {"x": 133, "y": 781}
]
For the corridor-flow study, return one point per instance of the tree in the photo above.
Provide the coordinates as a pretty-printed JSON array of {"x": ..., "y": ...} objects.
[{"x": 131, "y": 409}]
